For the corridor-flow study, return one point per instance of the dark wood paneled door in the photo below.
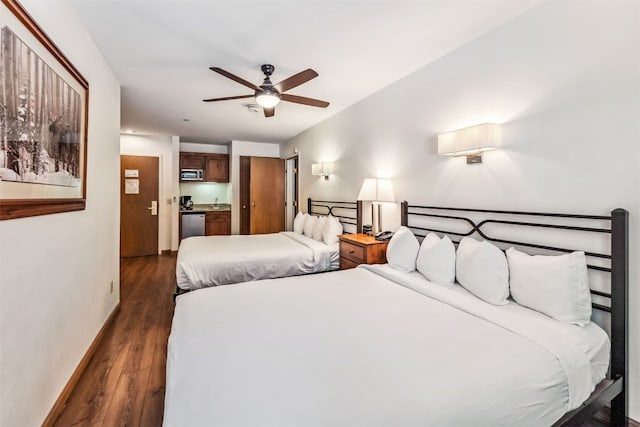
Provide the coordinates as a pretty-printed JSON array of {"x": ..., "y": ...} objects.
[
  {"x": 245, "y": 194},
  {"x": 138, "y": 206},
  {"x": 263, "y": 179},
  {"x": 267, "y": 195}
]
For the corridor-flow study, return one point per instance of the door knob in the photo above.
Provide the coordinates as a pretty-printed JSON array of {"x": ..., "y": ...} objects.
[
  {"x": 244, "y": 206},
  {"x": 253, "y": 205}
]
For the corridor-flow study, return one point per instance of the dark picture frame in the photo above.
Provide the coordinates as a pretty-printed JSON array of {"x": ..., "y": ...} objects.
[{"x": 43, "y": 121}]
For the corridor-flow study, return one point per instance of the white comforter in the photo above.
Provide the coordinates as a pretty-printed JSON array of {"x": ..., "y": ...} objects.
[
  {"x": 220, "y": 260},
  {"x": 353, "y": 348}
]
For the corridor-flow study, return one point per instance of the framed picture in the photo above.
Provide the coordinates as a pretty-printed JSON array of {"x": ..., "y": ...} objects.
[{"x": 43, "y": 121}]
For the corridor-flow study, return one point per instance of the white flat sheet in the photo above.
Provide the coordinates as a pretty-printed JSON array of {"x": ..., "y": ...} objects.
[
  {"x": 221, "y": 260},
  {"x": 353, "y": 348}
]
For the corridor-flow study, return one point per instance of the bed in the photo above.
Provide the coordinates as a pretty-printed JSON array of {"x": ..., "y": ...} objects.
[
  {"x": 375, "y": 346},
  {"x": 221, "y": 260}
]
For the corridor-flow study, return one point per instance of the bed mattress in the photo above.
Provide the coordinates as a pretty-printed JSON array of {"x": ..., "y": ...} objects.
[
  {"x": 371, "y": 347},
  {"x": 221, "y": 260}
]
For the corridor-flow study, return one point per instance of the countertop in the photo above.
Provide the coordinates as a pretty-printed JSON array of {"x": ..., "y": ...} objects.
[{"x": 222, "y": 207}]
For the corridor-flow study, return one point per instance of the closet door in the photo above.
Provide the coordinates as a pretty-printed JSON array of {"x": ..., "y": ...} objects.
[{"x": 267, "y": 195}]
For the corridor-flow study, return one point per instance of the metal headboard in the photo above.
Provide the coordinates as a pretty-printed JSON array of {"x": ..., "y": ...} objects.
[
  {"x": 614, "y": 390},
  {"x": 348, "y": 213}
]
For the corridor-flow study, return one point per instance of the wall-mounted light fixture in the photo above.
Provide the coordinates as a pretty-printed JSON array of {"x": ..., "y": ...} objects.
[
  {"x": 376, "y": 191},
  {"x": 470, "y": 142},
  {"x": 322, "y": 169}
]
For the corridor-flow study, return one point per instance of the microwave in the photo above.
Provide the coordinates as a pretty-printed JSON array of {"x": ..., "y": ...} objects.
[{"x": 191, "y": 175}]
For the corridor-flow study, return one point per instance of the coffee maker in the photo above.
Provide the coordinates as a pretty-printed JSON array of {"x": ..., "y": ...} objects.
[{"x": 186, "y": 202}]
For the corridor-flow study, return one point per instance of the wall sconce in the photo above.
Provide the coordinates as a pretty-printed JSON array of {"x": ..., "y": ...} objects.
[
  {"x": 470, "y": 142},
  {"x": 322, "y": 169},
  {"x": 376, "y": 191}
]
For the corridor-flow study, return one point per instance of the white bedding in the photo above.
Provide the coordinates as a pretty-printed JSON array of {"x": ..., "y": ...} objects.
[
  {"x": 220, "y": 260},
  {"x": 353, "y": 348}
]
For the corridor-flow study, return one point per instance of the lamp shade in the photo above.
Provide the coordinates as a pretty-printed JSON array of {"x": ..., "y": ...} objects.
[
  {"x": 322, "y": 169},
  {"x": 471, "y": 140},
  {"x": 376, "y": 190}
]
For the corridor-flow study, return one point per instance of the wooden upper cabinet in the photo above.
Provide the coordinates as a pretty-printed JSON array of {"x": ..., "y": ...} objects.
[
  {"x": 217, "y": 168},
  {"x": 192, "y": 161}
]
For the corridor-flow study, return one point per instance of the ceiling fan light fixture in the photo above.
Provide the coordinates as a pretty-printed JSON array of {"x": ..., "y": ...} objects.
[
  {"x": 268, "y": 98},
  {"x": 268, "y": 95}
]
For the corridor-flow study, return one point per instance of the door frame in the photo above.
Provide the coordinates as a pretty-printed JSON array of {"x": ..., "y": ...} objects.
[
  {"x": 160, "y": 193},
  {"x": 244, "y": 164},
  {"x": 294, "y": 182}
]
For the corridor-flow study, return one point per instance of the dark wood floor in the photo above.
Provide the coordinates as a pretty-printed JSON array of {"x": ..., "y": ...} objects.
[{"x": 124, "y": 383}]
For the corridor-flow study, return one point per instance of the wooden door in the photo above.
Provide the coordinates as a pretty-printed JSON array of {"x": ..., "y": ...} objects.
[
  {"x": 138, "y": 216},
  {"x": 267, "y": 195},
  {"x": 245, "y": 194}
]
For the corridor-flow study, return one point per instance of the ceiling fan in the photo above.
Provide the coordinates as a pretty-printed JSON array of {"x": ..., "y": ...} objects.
[{"x": 269, "y": 95}]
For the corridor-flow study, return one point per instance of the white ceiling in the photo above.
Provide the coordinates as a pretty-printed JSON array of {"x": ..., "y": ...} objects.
[{"x": 161, "y": 52}]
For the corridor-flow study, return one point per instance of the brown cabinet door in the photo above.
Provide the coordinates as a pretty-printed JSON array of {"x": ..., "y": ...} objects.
[
  {"x": 218, "y": 223},
  {"x": 217, "y": 168},
  {"x": 191, "y": 161},
  {"x": 266, "y": 195}
]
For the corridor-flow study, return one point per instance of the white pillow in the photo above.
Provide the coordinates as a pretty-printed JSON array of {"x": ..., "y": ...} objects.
[
  {"x": 309, "y": 223},
  {"x": 482, "y": 269},
  {"x": 332, "y": 230},
  {"x": 318, "y": 228},
  {"x": 403, "y": 250},
  {"x": 554, "y": 285},
  {"x": 437, "y": 259},
  {"x": 298, "y": 223}
]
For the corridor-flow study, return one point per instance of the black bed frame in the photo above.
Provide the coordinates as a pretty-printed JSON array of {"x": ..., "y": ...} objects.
[
  {"x": 340, "y": 210},
  {"x": 614, "y": 388}
]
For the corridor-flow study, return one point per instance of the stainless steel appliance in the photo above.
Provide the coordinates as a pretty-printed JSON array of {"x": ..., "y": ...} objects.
[
  {"x": 191, "y": 175},
  {"x": 193, "y": 224}
]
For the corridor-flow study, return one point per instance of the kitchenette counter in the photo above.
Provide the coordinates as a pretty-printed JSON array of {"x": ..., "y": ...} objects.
[{"x": 222, "y": 207}]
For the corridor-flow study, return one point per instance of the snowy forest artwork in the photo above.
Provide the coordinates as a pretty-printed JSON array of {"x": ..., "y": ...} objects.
[{"x": 40, "y": 119}]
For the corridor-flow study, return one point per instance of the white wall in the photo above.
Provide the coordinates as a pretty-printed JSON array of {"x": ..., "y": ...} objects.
[
  {"x": 205, "y": 193},
  {"x": 162, "y": 147},
  {"x": 195, "y": 147},
  {"x": 244, "y": 148},
  {"x": 562, "y": 78},
  {"x": 175, "y": 217},
  {"x": 55, "y": 270}
]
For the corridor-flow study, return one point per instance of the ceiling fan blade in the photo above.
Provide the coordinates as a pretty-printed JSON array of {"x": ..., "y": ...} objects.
[
  {"x": 296, "y": 80},
  {"x": 304, "y": 100},
  {"x": 228, "y": 98},
  {"x": 269, "y": 112},
  {"x": 234, "y": 78}
]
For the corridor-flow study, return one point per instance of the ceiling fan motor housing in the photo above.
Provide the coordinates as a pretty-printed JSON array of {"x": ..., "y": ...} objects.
[
  {"x": 268, "y": 69},
  {"x": 267, "y": 89}
]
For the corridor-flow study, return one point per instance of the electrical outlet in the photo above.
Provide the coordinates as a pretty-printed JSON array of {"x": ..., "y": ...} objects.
[
  {"x": 111, "y": 287},
  {"x": 169, "y": 200}
]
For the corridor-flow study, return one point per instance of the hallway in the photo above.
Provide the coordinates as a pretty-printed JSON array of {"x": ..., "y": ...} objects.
[{"x": 124, "y": 383}]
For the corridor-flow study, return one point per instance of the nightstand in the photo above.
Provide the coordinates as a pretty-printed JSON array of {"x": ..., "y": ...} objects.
[{"x": 356, "y": 249}]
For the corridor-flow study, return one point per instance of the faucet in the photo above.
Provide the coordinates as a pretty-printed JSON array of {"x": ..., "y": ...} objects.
[{"x": 216, "y": 202}]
